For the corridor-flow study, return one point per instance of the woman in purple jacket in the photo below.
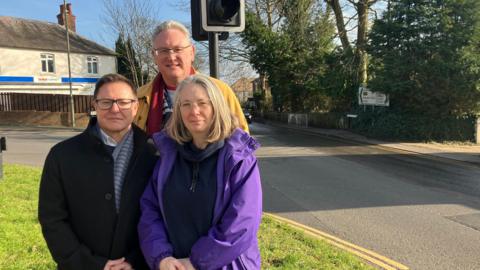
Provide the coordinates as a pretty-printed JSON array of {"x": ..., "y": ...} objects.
[{"x": 203, "y": 206}]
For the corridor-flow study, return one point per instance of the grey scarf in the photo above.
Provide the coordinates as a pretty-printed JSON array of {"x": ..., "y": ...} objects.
[{"x": 121, "y": 156}]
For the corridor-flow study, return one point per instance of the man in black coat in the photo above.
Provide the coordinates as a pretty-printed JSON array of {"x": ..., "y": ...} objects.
[{"x": 92, "y": 183}]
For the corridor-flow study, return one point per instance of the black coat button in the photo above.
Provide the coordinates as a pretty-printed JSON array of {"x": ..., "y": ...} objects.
[{"x": 108, "y": 196}]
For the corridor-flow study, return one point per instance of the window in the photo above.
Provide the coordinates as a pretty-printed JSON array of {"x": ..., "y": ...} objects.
[
  {"x": 92, "y": 64},
  {"x": 48, "y": 62}
]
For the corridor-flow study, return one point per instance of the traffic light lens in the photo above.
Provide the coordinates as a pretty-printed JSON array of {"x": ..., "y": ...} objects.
[
  {"x": 217, "y": 16},
  {"x": 224, "y": 10}
]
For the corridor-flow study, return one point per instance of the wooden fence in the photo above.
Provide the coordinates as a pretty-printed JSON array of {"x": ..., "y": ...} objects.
[{"x": 10, "y": 102}]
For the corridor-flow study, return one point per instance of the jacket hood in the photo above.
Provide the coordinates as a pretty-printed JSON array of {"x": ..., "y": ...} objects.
[{"x": 190, "y": 152}]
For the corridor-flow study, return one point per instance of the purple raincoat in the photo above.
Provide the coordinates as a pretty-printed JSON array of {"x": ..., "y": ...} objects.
[{"x": 231, "y": 242}]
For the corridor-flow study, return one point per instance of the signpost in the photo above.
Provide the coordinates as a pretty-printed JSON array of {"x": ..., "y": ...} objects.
[{"x": 367, "y": 97}]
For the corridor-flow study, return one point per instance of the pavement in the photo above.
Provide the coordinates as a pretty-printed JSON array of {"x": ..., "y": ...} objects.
[{"x": 466, "y": 153}]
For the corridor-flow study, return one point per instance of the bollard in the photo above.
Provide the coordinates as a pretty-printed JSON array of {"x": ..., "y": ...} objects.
[
  {"x": 3, "y": 147},
  {"x": 350, "y": 118},
  {"x": 477, "y": 130}
]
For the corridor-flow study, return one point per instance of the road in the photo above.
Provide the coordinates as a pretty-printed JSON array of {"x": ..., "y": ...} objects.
[
  {"x": 30, "y": 145},
  {"x": 422, "y": 213}
]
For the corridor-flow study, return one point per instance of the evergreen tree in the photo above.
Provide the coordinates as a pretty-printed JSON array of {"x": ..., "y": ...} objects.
[
  {"x": 426, "y": 56},
  {"x": 126, "y": 61}
]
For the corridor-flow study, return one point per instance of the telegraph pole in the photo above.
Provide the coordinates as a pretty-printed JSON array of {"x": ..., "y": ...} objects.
[{"x": 72, "y": 104}]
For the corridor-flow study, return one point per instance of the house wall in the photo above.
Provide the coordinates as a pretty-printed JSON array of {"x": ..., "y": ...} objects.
[
  {"x": 243, "y": 89},
  {"x": 21, "y": 69},
  {"x": 243, "y": 96}
]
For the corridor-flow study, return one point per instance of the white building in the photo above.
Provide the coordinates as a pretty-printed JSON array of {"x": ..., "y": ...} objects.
[{"x": 33, "y": 57}]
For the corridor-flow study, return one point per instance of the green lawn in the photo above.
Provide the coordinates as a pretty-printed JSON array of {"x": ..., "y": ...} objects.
[{"x": 22, "y": 246}]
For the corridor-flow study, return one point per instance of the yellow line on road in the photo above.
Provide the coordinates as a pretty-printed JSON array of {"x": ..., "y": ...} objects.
[{"x": 367, "y": 255}]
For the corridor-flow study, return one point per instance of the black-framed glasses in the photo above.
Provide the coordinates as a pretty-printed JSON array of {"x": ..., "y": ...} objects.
[
  {"x": 167, "y": 51},
  {"x": 107, "y": 103}
]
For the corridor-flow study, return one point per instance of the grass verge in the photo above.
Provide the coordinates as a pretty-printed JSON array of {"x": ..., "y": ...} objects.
[
  {"x": 285, "y": 247},
  {"x": 23, "y": 247}
]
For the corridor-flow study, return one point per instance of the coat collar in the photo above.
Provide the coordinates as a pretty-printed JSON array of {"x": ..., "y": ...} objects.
[{"x": 145, "y": 91}]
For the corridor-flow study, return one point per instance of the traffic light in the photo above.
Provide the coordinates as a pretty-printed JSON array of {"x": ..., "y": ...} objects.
[
  {"x": 223, "y": 15},
  {"x": 216, "y": 16}
]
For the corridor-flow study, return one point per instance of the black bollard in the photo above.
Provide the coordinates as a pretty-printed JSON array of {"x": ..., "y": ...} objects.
[{"x": 3, "y": 147}]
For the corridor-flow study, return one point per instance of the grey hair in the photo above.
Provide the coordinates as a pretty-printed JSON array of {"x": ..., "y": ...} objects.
[{"x": 171, "y": 24}]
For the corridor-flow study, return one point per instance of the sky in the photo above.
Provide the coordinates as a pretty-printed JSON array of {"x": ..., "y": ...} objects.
[{"x": 88, "y": 15}]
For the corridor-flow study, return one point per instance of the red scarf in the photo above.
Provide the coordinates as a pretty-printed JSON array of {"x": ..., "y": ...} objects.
[{"x": 155, "y": 114}]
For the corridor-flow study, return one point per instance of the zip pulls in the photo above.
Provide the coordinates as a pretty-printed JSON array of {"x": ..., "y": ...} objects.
[{"x": 196, "y": 169}]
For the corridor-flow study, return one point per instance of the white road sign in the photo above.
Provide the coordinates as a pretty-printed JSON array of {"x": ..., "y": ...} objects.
[{"x": 367, "y": 97}]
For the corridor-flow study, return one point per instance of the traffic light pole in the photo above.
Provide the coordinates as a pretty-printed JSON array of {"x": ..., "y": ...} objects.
[{"x": 213, "y": 53}]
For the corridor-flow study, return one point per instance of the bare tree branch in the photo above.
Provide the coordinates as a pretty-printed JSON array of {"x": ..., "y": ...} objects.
[{"x": 134, "y": 20}]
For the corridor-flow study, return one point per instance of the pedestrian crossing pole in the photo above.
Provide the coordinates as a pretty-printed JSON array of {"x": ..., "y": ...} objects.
[{"x": 213, "y": 53}]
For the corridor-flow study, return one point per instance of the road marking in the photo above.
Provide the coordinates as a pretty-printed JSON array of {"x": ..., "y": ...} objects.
[{"x": 367, "y": 255}]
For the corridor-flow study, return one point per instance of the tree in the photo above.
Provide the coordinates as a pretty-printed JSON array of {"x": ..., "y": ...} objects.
[
  {"x": 349, "y": 64},
  {"x": 127, "y": 68},
  {"x": 134, "y": 20},
  {"x": 268, "y": 11},
  {"x": 427, "y": 57},
  {"x": 362, "y": 8},
  {"x": 291, "y": 51}
]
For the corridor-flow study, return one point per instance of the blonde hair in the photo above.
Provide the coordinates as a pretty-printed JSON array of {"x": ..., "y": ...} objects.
[
  {"x": 170, "y": 25},
  {"x": 223, "y": 122}
]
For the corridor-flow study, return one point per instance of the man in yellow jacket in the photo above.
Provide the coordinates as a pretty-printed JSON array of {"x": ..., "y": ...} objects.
[{"x": 173, "y": 54}]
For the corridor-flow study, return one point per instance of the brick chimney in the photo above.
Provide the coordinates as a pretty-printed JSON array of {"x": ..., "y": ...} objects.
[{"x": 70, "y": 17}]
